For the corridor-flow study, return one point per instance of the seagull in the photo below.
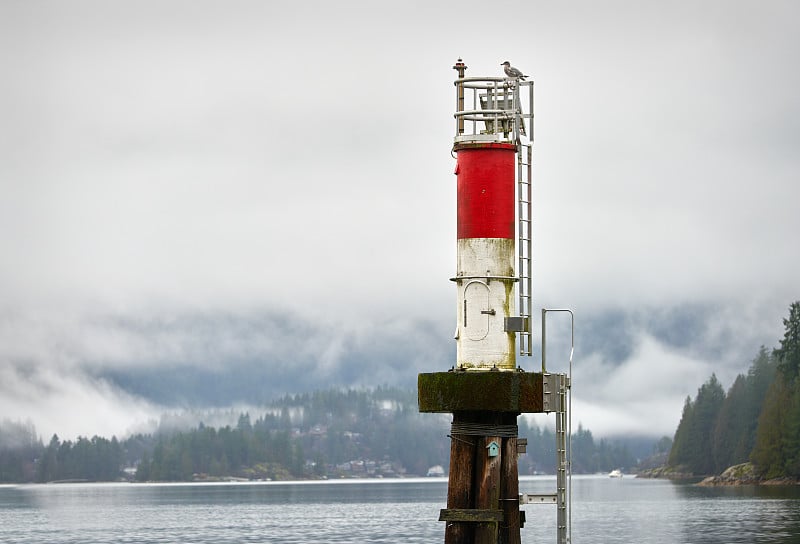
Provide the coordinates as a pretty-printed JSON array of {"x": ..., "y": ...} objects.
[{"x": 512, "y": 72}]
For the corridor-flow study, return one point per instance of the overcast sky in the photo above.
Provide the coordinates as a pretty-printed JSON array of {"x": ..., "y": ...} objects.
[{"x": 161, "y": 160}]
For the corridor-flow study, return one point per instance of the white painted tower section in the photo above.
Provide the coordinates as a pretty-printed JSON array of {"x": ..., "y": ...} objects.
[{"x": 485, "y": 298}]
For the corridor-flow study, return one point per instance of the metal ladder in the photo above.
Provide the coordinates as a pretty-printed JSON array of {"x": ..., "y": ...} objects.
[
  {"x": 562, "y": 463},
  {"x": 524, "y": 241},
  {"x": 556, "y": 399},
  {"x": 524, "y": 210}
]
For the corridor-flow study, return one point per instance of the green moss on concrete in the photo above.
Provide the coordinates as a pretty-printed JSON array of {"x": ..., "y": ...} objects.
[{"x": 485, "y": 390}]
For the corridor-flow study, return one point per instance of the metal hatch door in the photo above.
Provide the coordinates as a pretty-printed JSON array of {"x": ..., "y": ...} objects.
[{"x": 476, "y": 310}]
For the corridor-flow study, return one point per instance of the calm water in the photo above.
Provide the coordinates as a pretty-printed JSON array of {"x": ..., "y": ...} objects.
[{"x": 605, "y": 511}]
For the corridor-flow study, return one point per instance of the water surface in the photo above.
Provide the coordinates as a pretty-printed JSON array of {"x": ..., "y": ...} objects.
[{"x": 604, "y": 511}]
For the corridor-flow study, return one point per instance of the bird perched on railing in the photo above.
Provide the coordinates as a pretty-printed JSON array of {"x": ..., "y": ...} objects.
[{"x": 512, "y": 72}]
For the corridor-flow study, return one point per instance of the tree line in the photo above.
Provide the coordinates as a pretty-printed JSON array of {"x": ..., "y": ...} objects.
[
  {"x": 757, "y": 420},
  {"x": 589, "y": 456},
  {"x": 298, "y": 436},
  {"x": 252, "y": 451},
  {"x": 328, "y": 433}
]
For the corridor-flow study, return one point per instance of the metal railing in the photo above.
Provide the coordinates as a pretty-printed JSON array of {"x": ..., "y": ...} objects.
[
  {"x": 559, "y": 387},
  {"x": 491, "y": 109}
]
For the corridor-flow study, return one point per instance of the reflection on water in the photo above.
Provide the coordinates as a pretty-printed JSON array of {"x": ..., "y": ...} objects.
[
  {"x": 629, "y": 510},
  {"x": 222, "y": 513},
  {"x": 742, "y": 513},
  {"x": 605, "y": 510}
]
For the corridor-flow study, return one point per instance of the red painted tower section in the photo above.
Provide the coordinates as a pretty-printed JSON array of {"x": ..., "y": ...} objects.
[{"x": 486, "y": 190}]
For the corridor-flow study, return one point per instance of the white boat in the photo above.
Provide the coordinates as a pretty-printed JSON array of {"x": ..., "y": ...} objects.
[
  {"x": 616, "y": 473},
  {"x": 436, "y": 471}
]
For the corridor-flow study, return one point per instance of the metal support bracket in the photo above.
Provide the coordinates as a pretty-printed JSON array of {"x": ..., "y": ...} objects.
[
  {"x": 532, "y": 498},
  {"x": 553, "y": 385},
  {"x": 515, "y": 324}
]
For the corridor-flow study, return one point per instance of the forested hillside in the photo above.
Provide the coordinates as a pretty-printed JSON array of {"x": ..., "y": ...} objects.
[
  {"x": 757, "y": 420},
  {"x": 331, "y": 433}
]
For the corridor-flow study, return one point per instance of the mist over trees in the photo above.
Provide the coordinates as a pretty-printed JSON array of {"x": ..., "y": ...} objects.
[
  {"x": 757, "y": 420},
  {"x": 331, "y": 433},
  {"x": 95, "y": 459},
  {"x": 379, "y": 432},
  {"x": 19, "y": 446}
]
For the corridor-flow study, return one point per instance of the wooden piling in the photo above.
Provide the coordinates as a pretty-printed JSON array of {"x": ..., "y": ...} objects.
[
  {"x": 459, "y": 487},
  {"x": 509, "y": 499},
  {"x": 487, "y": 485},
  {"x": 483, "y": 489}
]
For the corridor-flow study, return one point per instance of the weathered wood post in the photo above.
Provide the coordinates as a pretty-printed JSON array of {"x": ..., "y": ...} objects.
[{"x": 483, "y": 486}]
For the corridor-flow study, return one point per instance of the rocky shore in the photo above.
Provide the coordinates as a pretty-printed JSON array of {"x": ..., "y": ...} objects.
[
  {"x": 743, "y": 474},
  {"x": 666, "y": 472}
]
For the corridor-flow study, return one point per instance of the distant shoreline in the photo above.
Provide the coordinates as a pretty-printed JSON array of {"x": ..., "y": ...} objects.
[{"x": 737, "y": 475}]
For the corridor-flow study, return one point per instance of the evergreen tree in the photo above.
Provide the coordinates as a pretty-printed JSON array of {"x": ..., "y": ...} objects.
[
  {"x": 47, "y": 469},
  {"x": 730, "y": 426},
  {"x": 143, "y": 470},
  {"x": 791, "y": 436},
  {"x": 679, "y": 455},
  {"x": 759, "y": 378},
  {"x": 768, "y": 454},
  {"x": 584, "y": 451},
  {"x": 735, "y": 432},
  {"x": 706, "y": 409},
  {"x": 693, "y": 444},
  {"x": 662, "y": 446},
  {"x": 788, "y": 354},
  {"x": 19, "y": 447},
  {"x": 777, "y": 449}
]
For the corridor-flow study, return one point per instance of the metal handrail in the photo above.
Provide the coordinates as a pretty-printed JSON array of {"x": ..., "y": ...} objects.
[
  {"x": 569, "y": 404},
  {"x": 502, "y": 100},
  {"x": 544, "y": 329}
]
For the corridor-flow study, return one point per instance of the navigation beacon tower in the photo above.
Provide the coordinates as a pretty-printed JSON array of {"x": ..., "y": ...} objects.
[{"x": 486, "y": 389}]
